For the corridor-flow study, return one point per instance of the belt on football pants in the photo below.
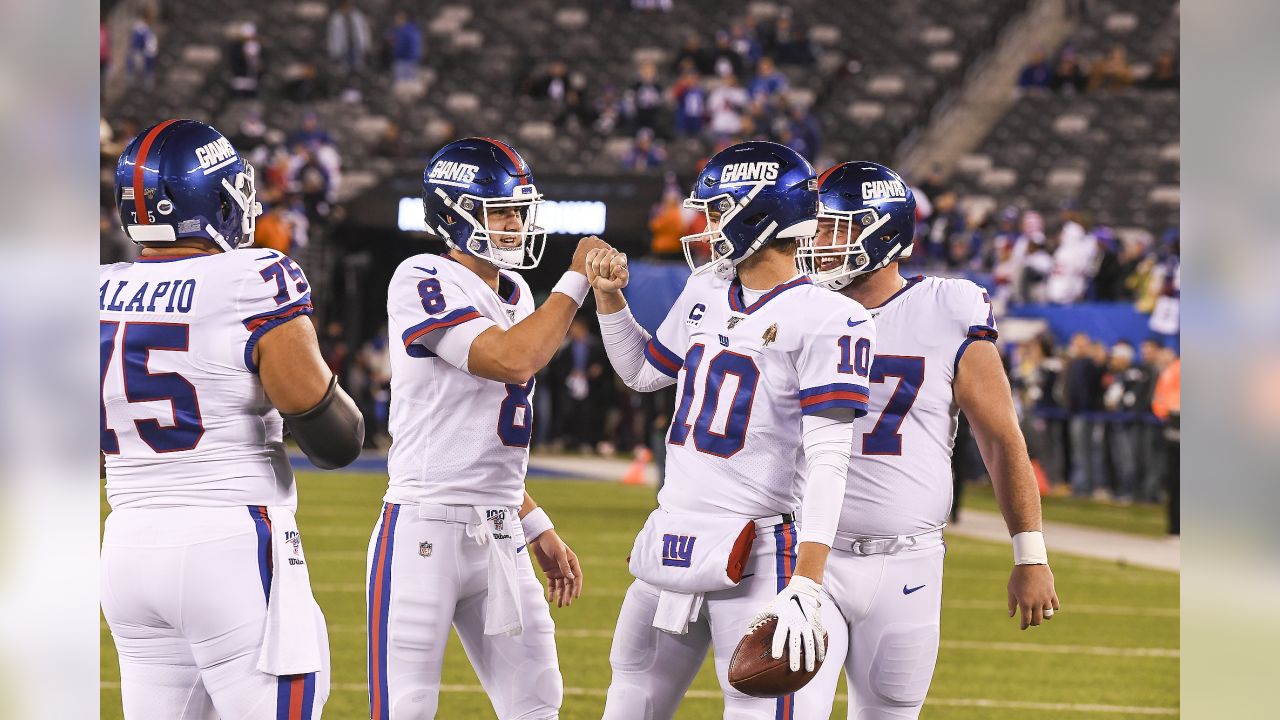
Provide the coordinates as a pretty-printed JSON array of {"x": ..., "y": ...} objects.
[
  {"x": 768, "y": 522},
  {"x": 887, "y": 545},
  {"x": 462, "y": 514}
]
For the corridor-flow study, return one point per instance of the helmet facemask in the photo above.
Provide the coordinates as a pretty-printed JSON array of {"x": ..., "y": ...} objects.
[
  {"x": 711, "y": 250},
  {"x": 835, "y": 263},
  {"x": 243, "y": 205},
  {"x": 519, "y": 249}
]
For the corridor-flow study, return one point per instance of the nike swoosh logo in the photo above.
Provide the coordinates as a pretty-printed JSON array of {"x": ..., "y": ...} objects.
[
  {"x": 907, "y": 591},
  {"x": 519, "y": 549},
  {"x": 432, "y": 271},
  {"x": 855, "y": 324}
]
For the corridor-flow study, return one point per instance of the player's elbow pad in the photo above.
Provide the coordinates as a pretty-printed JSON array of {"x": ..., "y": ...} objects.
[{"x": 331, "y": 433}]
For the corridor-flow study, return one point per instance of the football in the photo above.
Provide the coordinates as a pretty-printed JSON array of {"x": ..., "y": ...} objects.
[{"x": 755, "y": 672}]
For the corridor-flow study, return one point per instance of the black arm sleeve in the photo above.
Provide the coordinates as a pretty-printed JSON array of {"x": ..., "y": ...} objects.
[{"x": 331, "y": 433}]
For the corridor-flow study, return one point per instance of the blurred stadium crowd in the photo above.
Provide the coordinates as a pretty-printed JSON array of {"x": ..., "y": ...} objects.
[{"x": 1071, "y": 197}]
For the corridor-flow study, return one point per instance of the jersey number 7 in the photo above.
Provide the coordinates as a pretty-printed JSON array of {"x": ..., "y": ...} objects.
[{"x": 884, "y": 438}]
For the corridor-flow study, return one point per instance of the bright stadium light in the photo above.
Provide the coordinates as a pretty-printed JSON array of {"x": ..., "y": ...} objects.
[{"x": 572, "y": 217}]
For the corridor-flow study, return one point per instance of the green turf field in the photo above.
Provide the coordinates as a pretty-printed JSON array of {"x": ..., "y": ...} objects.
[
  {"x": 1112, "y": 653},
  {"x": 1137, "y": 519}
]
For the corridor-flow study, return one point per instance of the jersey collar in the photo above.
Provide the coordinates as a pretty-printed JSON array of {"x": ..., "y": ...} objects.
[
  {"x": 510, "y": 298},
  {"x": 910, "y": 284},
  {"x": 736, "y": 303}
]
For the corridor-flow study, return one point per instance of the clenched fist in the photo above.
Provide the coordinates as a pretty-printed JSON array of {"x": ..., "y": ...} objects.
[
  {"x": 585, "y": 246},
  {"x": 607, "y": 269}
]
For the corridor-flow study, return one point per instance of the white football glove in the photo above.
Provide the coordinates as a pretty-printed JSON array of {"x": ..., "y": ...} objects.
[{"x": 799, "y": 621}]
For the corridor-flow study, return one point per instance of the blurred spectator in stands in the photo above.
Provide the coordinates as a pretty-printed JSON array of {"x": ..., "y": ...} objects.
[
  {"x": 1166, "y": 284},
  {"x": 1083, "y": 390},
  {"x": 349, "y": 40},
  {"x": 577, "y": 111},
  {"x": 406, "y": 47},
  {"x": 1112, "y": 72},
  {"x": 1038, "y": 264},
  {"x": 1123, "y": 383},
  {"x": 1037, "y": 74},
  {"x": 1072, "y": 260},
  {"x": 931, "y": 185},
  {"x": 104, "y": 54},
  {"x": 768, "y": 80},
  {"x": 583, "y": 386},
  {"x": 252, "y": 139},
  {"x": 806, "y": 132},
  {"x": 742, "y": 39},
  {"x": 1167, "y": 405},
  {"x": 273, "y": 230},
  {"x": 144, "y": 46},
  {"x": 608, "y": 110},
  {"x": 1110, "y": 273},
  {"x": 310, "y": 133},
  {"x": 312, "y": 180},
  {"x": 792, "y": 44},
  {"x": 1068, "y": 76},
  {"x": 945, "y": 222},
  {"x": 694, "y": 52},
  {"x": 391, "y": 143},
  {"x": 727, "y": 103},
  {"x": 644, "y": 98},
  {"x": 724, "y": 58},
  {"x": 652, "y": 5},
  {"x": 690, "y": 99},
  {"x": 1165, "y": 75},
  {"x": 374, "y": 398},
  {"x": 1151, "y": 441},
  {"x": 334, "y": 349},
  {"x": 644, "y": 154},
  {"x": 1034, "y": 377},
  {"x": 247, "y": 60},
  {"x": 551, "y": 84},
  {"x": 667, "y": 221},
  {"x": 303, "y": 83}
]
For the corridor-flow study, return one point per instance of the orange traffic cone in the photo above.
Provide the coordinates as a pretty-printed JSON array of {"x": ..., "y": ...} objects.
[{"x": 635, "y": 473}]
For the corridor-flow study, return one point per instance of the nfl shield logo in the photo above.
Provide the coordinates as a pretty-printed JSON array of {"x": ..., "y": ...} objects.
[{"x": 424, "y": 549}]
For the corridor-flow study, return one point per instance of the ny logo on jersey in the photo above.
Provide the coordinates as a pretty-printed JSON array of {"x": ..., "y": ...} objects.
[
  {"x": 677, "y": 550},
  {"x": 496, "y": 517}
]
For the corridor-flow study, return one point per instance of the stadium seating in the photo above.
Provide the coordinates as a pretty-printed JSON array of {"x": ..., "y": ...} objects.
[{"x": 1114, "y": 152}]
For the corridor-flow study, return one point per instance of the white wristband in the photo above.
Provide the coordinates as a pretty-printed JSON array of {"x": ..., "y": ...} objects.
[
  {"x": 1028, "y": 548},
  {"x": 535, "y": 523},
  {"x": 574, "y": 284}
]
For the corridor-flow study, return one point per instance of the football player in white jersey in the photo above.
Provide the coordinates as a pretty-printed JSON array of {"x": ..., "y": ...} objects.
[
  {"x": 453, "y": 543},
  {"x": 772, "y": 371},
  {"x": 935, "y": 356},
  {"x": 205, "y": 342}
]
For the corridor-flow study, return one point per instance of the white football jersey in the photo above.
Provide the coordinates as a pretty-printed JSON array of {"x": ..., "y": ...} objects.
[
  {"x": 184, "y": 418},
  {"x": 900, "y": 474},
  {"x": 457, "y": 439},
  {"x": 745, "y": 374}
]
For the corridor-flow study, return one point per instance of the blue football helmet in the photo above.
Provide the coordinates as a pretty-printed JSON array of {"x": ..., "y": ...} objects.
[
  {"x": 749, "y": 194},
  {"x": 872, "y": 213},
  {"x": 466, "y": 180},
  {"x": 183, "y": 179}
]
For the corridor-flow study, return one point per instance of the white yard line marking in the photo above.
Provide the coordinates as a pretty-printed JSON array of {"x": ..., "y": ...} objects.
[{"x": 715, "y": 695}]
